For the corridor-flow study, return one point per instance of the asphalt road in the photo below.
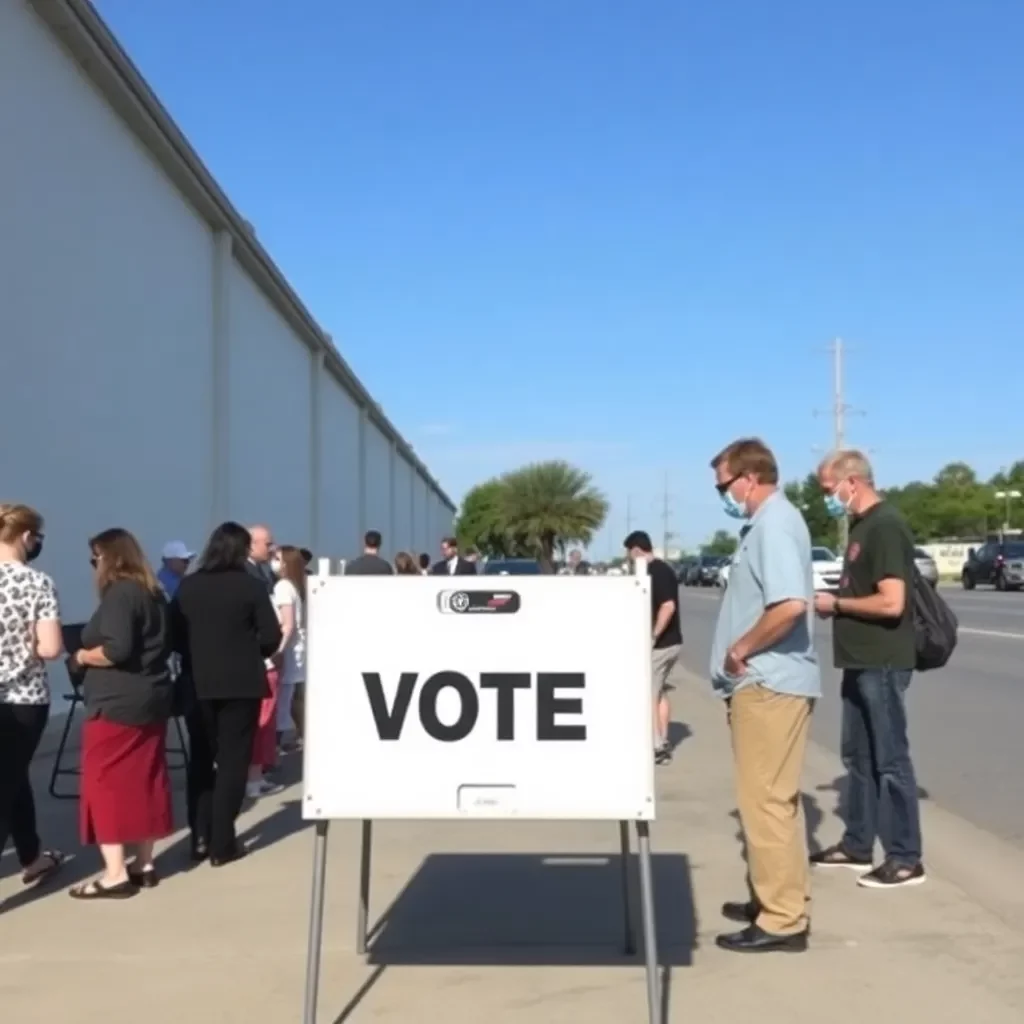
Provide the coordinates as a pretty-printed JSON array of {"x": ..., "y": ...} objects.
[{"x": 966, "y": 720}]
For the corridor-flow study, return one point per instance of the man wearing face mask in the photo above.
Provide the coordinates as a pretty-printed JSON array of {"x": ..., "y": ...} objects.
[
  {"x": 764, "y": 664},
  {"x": 873, "y": 644}
]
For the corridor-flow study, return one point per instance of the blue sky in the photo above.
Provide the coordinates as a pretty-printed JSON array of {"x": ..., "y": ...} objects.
[{"x": 625, "y": 233}]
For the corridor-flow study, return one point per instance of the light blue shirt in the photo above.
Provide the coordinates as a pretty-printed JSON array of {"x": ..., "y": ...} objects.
[
  {"x": 169, "y": 581},
  {"x": 771, "y": 564}
]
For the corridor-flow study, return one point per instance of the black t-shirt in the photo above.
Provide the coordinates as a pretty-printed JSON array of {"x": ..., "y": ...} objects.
[
  {"x": 881, "y": 546},
  {"x": 665, "y": 587}
]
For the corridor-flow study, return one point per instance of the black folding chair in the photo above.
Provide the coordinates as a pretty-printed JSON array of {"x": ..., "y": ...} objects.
[{"x": 72, "y": 642}]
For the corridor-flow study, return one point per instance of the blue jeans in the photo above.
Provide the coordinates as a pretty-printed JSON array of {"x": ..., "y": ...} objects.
[{"x": 881, "y": 796}]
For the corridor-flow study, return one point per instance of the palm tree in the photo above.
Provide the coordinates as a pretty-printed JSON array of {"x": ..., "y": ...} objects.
[{"x": 549, "y": 505}]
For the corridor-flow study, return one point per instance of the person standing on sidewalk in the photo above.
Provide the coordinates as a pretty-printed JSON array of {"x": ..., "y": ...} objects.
[
  {"x": 666, "y": 634},
  {"x": 873, "y": 643},
  {"x": 764, "y": 664}
]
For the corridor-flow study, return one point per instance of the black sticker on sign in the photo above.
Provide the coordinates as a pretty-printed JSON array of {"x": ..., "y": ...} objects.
[{"x": 471, "y": 602}]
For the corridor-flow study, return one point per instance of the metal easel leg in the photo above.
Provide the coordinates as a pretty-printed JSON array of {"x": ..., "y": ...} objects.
[
  {"x": 628, "y": 932},
  {"x": 363, "y": 910},
  {"x": 643, "y": 831},
  {"x": 314, "y": 948}
]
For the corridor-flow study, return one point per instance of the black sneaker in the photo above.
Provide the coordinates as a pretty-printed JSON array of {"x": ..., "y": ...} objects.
[
  {"x": 663, "y": 754},
  {"x": 836, "y": 857},
  {"x": 889, "y": 875}
]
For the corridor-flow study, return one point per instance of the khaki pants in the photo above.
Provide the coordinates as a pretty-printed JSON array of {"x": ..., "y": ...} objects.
[{"x": 769, "y": 737}]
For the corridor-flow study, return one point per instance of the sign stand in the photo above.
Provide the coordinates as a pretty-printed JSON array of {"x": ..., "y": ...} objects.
[{"x": 314, "y": 952}]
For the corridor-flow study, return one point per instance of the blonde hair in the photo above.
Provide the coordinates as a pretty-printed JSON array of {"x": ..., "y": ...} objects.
[
  {"x": 17, "y": 520},
  {"x": 848, "y": 462}
]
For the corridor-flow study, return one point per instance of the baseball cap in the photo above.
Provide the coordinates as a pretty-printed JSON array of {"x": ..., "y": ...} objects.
[{"x": 177, "y": 549}]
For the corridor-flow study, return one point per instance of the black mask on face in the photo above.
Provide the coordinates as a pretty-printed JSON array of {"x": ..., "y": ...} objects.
[{"x": 34, "y": 548}]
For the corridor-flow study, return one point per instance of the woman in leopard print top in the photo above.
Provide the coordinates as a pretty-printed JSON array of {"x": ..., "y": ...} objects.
[{"x": 29, "y": 636}]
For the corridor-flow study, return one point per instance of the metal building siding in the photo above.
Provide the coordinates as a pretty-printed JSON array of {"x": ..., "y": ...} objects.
[
  {"x": 105, "y": 299},
  {"x": 378, "y": 485},
  {"x": 171, "y": 378},
  {"x": 269, "y": 422},
  {"x": 402, "y": 501},
  {"x": 340, "y": 533}
]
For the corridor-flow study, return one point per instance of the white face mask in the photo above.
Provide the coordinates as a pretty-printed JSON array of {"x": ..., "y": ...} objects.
[{"x": 275, "y": 566}]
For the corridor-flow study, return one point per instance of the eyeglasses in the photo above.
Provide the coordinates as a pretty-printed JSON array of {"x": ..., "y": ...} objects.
[{"x": 723, "y": 487}]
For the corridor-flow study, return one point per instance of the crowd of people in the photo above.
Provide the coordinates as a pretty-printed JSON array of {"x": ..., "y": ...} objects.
[{"x": 218, "y": 639}]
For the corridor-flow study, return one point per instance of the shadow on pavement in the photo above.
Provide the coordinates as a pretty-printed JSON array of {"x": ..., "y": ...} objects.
[
  {"x": 677, "y": 732},
  {"x": 530, "y": 910}
]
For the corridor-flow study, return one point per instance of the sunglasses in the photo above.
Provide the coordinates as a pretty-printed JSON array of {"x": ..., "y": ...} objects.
[{"x": 723, "y": 487}]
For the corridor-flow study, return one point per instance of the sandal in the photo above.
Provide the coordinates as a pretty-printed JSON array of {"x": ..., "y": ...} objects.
[
  {"x": 96, "y": 890},
  {"x": 56, "y": 859}
]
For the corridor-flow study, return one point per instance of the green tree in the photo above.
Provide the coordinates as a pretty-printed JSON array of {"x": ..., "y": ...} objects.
[
  {"x": 479, "y": 523},
  {"x": 722, "y": 543},
  {"x": 808, "y": 496},
  {"x": 548, "y": 505}
]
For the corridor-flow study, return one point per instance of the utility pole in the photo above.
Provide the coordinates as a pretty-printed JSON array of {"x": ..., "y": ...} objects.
[
  {"x": 666, "y": 517},
  {"x": 839, "y": 410}
]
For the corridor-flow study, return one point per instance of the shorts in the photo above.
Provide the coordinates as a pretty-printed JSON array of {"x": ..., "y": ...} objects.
[{"x": 663, "y": 661}]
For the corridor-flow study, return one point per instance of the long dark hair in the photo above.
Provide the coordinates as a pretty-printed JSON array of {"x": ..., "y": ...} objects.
[{"x": 227, "y": 548}]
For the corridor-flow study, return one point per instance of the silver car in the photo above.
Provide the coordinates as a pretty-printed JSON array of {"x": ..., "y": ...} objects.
[{"x": 926, "y": 566}]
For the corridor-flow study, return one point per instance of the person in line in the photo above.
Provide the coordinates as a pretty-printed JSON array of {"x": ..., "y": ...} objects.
[
  {"x": 224, "y": 627},
  {"x": 126, "y": 683},
  {"x": 667, "y": 636},
  {"x": 176, "y": 558},
  {"x": 262, "y": 553},
  {"x": 873, "y": 644},
  {"x": 763, "y": 663},
  {"x": 290, "y": 601},
  {"x": 424, "y": 563},
  {"x": 576, "y": 566},
  {"x": 405, "y": 565},
  {"x": 369, "y": 563},
  {"x": 30, "y": 635},
  {"x": 452, "y": 564}
]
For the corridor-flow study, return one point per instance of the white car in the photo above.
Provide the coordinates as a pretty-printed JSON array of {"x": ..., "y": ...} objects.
[{"x": 827, "y": 569}]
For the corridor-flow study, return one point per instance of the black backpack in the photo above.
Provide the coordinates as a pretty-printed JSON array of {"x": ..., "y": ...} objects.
[{"x": 935, "y": 626}]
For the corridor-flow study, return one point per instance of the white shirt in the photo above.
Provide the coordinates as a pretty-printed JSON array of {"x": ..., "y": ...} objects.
[
  {"x": 293, "y": 667},
  {"x": 27, "y": 596},
  {"x": 453, "y": 564}
]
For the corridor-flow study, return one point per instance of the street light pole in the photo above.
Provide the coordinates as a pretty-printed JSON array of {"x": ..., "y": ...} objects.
[{"x": 1007, "y": 496}]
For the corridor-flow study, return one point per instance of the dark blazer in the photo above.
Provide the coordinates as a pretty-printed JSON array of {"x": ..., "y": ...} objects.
[
  {"x": 132, "y": 626},
  {"x": 224, "y": 628},
  {"x": 463, "y": 567}
]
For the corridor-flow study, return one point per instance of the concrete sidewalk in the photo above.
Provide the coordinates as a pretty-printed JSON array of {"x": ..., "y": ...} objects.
[{"x": 479, "y": 926}]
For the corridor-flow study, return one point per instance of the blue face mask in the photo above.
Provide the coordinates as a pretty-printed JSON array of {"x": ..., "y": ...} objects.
[
  {"x": 732, "y": 507},
  {"x": 835, "y": 506}
]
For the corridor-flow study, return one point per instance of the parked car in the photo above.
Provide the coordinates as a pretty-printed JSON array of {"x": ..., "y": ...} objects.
[
  {"x": 684, "y": 567},
  {"x": 827, "y": 569},
  {"x": 926, "y": 566},
  {"x": 513, "y": 567},
  {"x": 704, "y": 571},
  {"x": 999, "y": 563}
]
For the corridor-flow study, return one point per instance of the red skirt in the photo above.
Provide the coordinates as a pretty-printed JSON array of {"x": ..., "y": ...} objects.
[
  {"x": 264, "y": 748},
  {"x": 126, "y": 790}
]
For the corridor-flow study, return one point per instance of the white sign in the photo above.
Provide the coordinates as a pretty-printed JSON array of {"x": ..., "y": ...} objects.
[{"x": 448, "y": 697}]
